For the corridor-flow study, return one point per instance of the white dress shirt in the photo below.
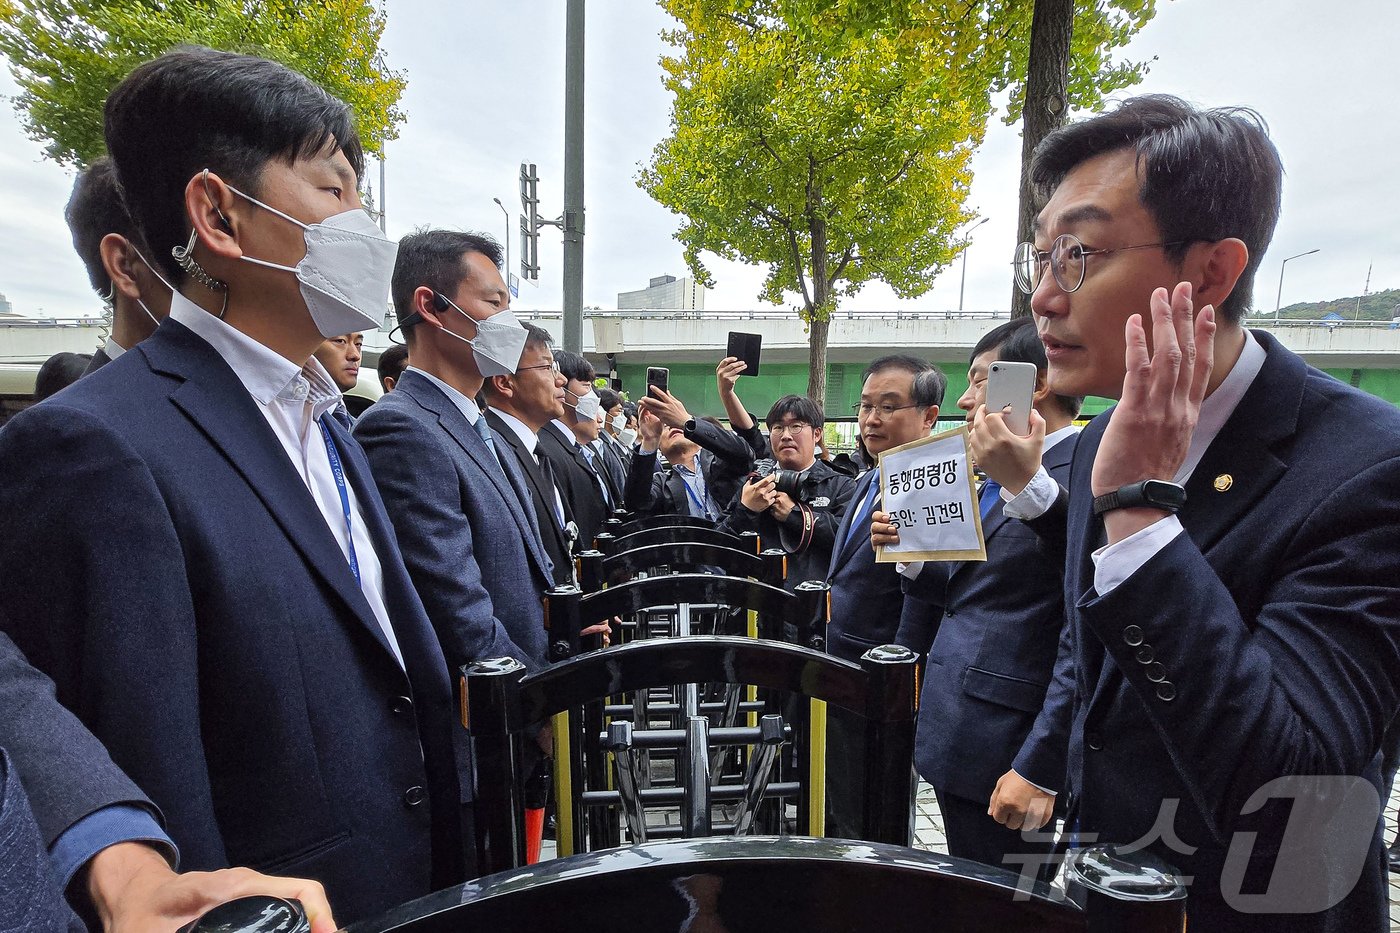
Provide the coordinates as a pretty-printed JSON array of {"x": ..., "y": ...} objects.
[
  {"x": 293, "y": 398},
  {"x": 113, "y": 349},
  {"x": 1117, "y": 562}
]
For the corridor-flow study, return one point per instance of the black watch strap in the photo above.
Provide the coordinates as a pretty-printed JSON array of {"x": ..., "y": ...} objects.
[{"x": 1150, "y": 493}]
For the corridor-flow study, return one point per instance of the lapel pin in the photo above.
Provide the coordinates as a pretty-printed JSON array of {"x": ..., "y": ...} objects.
[{"x": 1223, "y": 482}]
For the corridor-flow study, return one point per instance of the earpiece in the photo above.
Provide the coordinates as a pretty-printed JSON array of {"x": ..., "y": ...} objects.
[{"x": 439, "y": 302}]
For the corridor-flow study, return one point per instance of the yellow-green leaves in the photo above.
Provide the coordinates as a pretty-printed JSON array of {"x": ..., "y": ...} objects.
[{"x": 67, "y": 55}]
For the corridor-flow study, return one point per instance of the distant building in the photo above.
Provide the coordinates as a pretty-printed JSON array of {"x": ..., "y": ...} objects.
[
  {"x": 6, "y": 309},
  {"x": 665, "y": 293}
]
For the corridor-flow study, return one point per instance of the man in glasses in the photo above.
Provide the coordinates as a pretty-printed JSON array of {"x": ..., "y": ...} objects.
[
  {"x": 520, "y": 405},
  {"x": 899, "y": 399},
  {"x": 1231, "y": 638},
  {"x": 799, "y": 501}
]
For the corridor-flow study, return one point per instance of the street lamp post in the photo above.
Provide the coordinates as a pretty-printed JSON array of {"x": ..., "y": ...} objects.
[
  {"x": 967, "y": 243},
  {"x": 506, "y": 241},
  {"x": 1282, "y": 266}
]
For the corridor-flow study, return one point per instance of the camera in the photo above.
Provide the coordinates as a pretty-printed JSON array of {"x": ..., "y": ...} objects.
[{"x": 788, "y": 481}]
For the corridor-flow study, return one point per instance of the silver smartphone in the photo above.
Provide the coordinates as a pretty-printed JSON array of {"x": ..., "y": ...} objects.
[{"x": 1012, "y": 384}]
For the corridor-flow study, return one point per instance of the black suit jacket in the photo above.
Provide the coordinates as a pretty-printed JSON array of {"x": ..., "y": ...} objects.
[
  {"x": 554, "y": 535},
  {"x": 992, "y": 659},
  {"x": 210, "y": 633},
  {"x": 867, "y": 600},
  {"x": 577, "y": 480},
  {"x": 1263, "y": 642}
]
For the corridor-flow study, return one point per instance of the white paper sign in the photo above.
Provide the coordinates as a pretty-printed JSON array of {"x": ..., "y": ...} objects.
[{"x": 928, "y": 490}]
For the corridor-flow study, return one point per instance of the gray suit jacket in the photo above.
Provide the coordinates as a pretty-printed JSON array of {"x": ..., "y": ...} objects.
[{"x": 464, "y": 522}]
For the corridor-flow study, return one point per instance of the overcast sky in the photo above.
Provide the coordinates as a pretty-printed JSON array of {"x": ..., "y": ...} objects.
[{"x": 485, "y": 91}]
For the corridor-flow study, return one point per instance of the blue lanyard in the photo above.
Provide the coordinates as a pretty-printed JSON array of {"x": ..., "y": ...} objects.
[
  {"x": 699, "y": 503},
  {"x": 339, "y": 473}
]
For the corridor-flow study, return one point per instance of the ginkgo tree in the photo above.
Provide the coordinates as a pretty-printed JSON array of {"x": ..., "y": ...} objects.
[
  {"x": 830, "y": 140},
  {"x": 67, "y": 55}
]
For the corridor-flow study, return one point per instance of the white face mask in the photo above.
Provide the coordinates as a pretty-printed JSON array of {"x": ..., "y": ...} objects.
[
  {"x": 499, "y": 341},
  {"x": 585, "y": 406},
  {"x": 627, "y": 436},
  {"x": 345, "y": 273},
  {"x": 619, "y": 422}
]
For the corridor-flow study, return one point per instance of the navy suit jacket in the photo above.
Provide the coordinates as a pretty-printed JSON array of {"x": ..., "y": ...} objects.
[
  {"x": 993, "y": 656},
  {"x": 866, "y": 597},
  {"x": 208, "y": 630},
  {"x": 467, "y": 529},
  {"x": 1262, "y": 642}
]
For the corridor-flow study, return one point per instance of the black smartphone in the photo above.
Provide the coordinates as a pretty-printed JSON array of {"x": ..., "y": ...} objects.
[
  {"x": 660, "y": 377},
  {"x": 745, "y": 347}
]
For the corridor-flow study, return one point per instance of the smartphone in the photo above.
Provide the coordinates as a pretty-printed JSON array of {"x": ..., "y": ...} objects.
[
  {"x": 1012, "y": 384},
  {"x": 658, "y": 376},
  {"x": 746, "y": 347}
]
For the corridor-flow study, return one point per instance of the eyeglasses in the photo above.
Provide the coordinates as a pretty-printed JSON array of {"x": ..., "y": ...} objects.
[
  {"x": 1067, "y": 257},
  {"x": 794, "y": 428},
  {"x": 865, "y": 410},
  {"x": 553, "y": 367}
]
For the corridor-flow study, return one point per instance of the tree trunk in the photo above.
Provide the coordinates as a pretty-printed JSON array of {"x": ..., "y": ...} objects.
[
  {"x": 1047, "y": 104},
  {"x": 819, "y": 314}
]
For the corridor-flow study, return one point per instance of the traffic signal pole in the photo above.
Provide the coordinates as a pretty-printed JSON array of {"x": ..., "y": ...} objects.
[{"x": 573, "y": 177}]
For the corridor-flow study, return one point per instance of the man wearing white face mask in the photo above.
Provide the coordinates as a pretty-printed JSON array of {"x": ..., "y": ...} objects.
[
  {"x": 107, "y": 242},
  {"x": 458, "y": 500},
  {"x": 239, "y": 630},
  {"x": 565, "y": 441}
]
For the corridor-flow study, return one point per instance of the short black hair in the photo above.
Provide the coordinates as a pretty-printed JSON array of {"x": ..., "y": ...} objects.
[
  {"x": 575, "y": 366},
  {"x": 1021, "y": 344},
  {"x": 536, "y": 336},
  {"x": 607, "y": 398},
  {"x": 94, "y": 210},
  {"x": 196, "y": 108},
  {"x": 392, "y": 363},
  {"x": 929, "y": 381},
  {"x": 434, "y": 258},
  {"x": 58, "y": 372},
  {"x": 997, "y": 336},
  {"x": 1206, "y": 175},
  {"x": 800, "y": 407}
]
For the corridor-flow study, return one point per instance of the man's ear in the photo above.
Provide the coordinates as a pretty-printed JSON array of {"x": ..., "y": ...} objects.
[
  {"x": 426, "y": 302},
  {"x": 120, "y": 262},
  {"x": 503, "y": 386},
  {"x": 389, "y": 383},
  {"x": 1221, "y": 265},
  {"x": 1042, "y": 388},
  {"x": 209, "y": 205},
  {"x": 930, "y": 417}
]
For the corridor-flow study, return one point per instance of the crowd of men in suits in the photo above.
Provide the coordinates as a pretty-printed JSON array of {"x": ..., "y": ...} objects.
[{"x": 242, "y": 605}]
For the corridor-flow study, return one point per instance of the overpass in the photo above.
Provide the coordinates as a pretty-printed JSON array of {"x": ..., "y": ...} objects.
[{"x": 1363, "y": 353}]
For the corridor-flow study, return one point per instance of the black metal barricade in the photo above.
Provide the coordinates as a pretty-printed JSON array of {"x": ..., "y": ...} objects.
[
  {"x": 597, "y": 570},
  {"x": 620, "y": 527},
  {"x": 500, "y": 703},
  {"x": 794, "y": 885},
  {"x": 676, "y": 534}
]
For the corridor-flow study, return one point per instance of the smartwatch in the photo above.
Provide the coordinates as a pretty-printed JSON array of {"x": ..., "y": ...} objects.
[{"x": 1150, "y": 493}]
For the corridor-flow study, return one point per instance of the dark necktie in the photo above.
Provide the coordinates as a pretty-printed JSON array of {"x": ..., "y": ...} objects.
[
  {"x": 552, "y": 494},
  {"x": 339, "y": 413},
  {"x": 483, "y": 431},
  {"x": 597, "y": 473}
]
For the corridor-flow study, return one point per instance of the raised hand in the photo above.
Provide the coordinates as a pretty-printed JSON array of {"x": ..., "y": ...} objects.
[{"x": 1150, "y": 432}]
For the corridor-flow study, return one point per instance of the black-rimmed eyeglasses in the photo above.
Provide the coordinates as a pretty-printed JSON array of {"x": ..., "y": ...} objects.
[{"x": 1067, "y": 257}]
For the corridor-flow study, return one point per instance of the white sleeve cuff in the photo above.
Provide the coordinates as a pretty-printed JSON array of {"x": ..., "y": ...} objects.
[
  {"x": 1043, "y": 790},
  {"x": 911, "y": 570},
  {"x": 1117, "y": 562},
  {"x": 1033, "y": 501}
]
